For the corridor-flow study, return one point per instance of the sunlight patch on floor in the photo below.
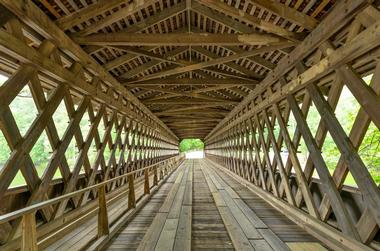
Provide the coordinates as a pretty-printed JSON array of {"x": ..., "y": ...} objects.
[{"x": 195, "y": 155}]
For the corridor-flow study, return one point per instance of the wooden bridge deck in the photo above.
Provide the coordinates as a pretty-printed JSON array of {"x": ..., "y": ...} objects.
[{"x": 201, "y": 208}]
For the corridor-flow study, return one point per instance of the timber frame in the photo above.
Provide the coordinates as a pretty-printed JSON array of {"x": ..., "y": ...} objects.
[
  {"x": 313, "y": 74},
  {"x": 150, "y": 73}
]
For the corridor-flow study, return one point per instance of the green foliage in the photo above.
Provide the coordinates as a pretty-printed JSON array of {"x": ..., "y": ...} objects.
[{"x": 190, "y": 145}]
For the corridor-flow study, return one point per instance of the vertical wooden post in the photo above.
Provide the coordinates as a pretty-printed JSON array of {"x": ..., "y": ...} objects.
[
  {"x": 131, "y": 193},
  {"x": 29, "y": 233},
  {"x": 146, "y": 182},
  {"x": 155, "y": 176},
  {"x": 103, "y": 227},
  {"x": 161, "y": 172}
]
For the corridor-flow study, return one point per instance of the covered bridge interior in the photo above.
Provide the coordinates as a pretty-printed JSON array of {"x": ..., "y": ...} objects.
[{"x": 95, "y": 96}]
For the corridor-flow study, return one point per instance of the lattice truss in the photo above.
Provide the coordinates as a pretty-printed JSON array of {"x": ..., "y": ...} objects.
[
  {"x": 124, "y": 133},
  {"x": 80, "y": 55},
  {"x": 183, "y": 79},
  {"x": 251, "y": 141}
]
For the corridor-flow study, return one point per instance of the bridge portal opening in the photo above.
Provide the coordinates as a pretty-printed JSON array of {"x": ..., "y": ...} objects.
[{"x": 193, "y": 148}]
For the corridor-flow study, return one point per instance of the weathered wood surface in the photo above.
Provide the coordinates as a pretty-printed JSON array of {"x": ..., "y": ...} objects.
[
  {"x": 131, "y": 234},
  {"x": 201, "y": 208},
  {"x": 235, "y": 73}
]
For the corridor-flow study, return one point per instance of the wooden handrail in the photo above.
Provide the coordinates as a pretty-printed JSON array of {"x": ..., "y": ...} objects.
[
  {"x": 30, "y": 209},
  {"x": 29, "y": 229}
]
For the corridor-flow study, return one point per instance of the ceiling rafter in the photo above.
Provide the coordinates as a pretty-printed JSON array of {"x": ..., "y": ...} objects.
[
  {"x": 287, "y": 12},
  {"x": 117, "y": 15},
  {"x": 177, "y": 39},
  {"x": 231, "y": 65},
  {"x": 171, "y": 102},
  {"x": 217, "y": 61},
  {"x": 183, "y": 54},
  {"x": 193, "y": 94},
  {"x": 249, "y": 19},
  {"x": 194, "y": 81}
]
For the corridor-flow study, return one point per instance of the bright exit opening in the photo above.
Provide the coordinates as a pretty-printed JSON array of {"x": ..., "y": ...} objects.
[{"x": 193, "y": 148}]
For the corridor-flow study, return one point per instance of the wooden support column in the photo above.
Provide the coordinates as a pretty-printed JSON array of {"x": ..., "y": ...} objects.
[
  {"x": 103, "y": 226},
  {"x": 131, "y": 192},
  {"x": 155, "y": 176},
  {"x": 146, "y": 182},
  {"x": 29, "y": 233}
]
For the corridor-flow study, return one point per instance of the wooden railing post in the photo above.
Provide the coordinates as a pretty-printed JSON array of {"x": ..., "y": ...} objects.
[
  {"x": 29, "y": 233},
  {"x": 131, "y": 192},
  {"x": 103, "y": 227},
  {"x": 155, "y": 176},
  {"x": 165, "y": 169},
  {"x": 161, "y": 172},
  {"x": 146, "y": 181}
]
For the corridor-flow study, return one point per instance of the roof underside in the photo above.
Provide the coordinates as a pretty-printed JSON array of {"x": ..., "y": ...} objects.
[{"x": 193, "y": 61}]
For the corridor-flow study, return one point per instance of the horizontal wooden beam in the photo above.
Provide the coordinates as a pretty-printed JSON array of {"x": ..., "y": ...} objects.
[
  {"x": 187, "y": 108},
  {"x": 188, "y": 102},
  {"x": 140, "y": 52},
  {"x": 287, "y": 12},
  {"x": 177, "y": 39},
  {"x": 202, "y": 112},
  {"x": 158, "y": 59},
  {"x": 232, "y": 65},
  {"x": 256, "y": 59},
  {"x": 191, "y": 135},
  {"x": 362, "y": 43},
  {"x": 331, "y": 24},
  {"x": 217, "y": 61},
  {"x": 128, "y": 10},
  {"x": 194, "y": 127},
  {"x": 192, "y": 94},
  {"x": 191, "y": 122},
  {"x": 187, "y": 116},
  {"x": 31, "y": 15},
  {"x": 87, "y": 13},
  {"x": 249, "y": 19},
  {"x": 203, "y": 128},
  {"x": 193, "y": 132},
  {"x": 154, "y": 62},
  {"x": 193, "y": 81},
  {"x": 220, "y": 18}
]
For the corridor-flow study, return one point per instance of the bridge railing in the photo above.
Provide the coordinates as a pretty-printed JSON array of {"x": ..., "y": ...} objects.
[
  {"x": 316, "y": 118},
  {"x": 28, "y": 214},
  {"x": 65, "y": 122}
]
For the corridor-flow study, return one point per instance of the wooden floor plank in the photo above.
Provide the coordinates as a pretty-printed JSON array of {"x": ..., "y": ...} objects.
[
  {"x": 205, "y": 209},
  {"x": 282, "y": 227},
  {"x": 183, "y": 236},
  {"x": 208, "y": 230},
  {"x": 261, "y": 245},
  {"x": 130, "y": 236},
  {"x": 235, "y": 230},
  {"x": 163, "y": 236},
  {"x": 306, "y": 246},
  {"x": 153, "y": 234},
  {"x": 167, "y": 236},
  {"x": 247, "y": 226}
]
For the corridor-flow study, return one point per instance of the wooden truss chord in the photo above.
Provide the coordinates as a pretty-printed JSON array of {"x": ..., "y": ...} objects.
[
  {"x": 193, "y": 81},
  {"x": 322, "y": 32},
  {"x": 177, "y": 39},
  {"x": 245, "y": 17},
  {"x": 215, "y": 61}
]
